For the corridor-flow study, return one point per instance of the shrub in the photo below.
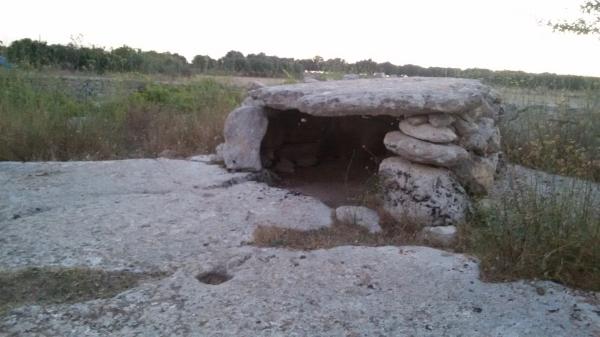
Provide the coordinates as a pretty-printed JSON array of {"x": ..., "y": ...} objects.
[{"x": 547, "y": 230}]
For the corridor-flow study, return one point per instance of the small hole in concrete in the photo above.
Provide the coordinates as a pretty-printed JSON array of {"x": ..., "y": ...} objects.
[{"x": 214, "y": 277}]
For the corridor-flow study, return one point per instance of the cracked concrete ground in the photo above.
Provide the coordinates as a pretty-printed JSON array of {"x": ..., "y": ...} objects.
[{"x": 170, "y": 215}]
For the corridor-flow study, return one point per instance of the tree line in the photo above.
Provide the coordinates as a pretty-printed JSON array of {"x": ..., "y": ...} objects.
[{"x": 29, "y": 53}]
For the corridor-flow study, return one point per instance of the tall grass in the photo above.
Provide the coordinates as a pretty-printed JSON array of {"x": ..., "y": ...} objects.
[
  {"x": 560, "y": 135},
  {"x": 47, "y": 122},
  {"x": 546, "y": 228}
]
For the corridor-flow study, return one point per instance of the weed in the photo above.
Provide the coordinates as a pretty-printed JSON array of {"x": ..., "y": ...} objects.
[
  {"x": 545, "y": 230},
  {"x": 557, "y": 132}
]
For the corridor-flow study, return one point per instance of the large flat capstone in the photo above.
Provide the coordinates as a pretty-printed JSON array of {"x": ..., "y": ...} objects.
[{"x": 387, "y": 96}]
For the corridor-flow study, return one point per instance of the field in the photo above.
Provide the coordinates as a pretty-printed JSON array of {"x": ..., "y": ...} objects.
[
  {"x": 44, "y": 119},
  {"x": 60, "y": 116}
]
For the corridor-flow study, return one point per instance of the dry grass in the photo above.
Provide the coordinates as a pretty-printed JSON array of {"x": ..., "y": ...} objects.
[
  {"x": 530, "y": 233},
  {"x": 340, "y": 234},
  {"x": 63, "y": 285},
  {"x": 554, "y": 131},
  {"x": 49, "y": 123}
]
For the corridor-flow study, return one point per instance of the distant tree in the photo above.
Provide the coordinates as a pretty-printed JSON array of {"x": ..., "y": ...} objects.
[
  {"x": 411, "y": 70},
  {"x": 318, "y": 61},
  {"x": 203, "y": 63},
  {"x": 234, "y": 61},
  {"x": 387, "y": 68},
  {"x": 162, "y": 63},
  {"x": 74, "y": 56},
  {"x": 366, "y": 66},
  {"x": 261, "y": 65},
  {"x": 308, "y": 64},
  {"x": 334, "y": 65},
  {"x": 29, "y": 52},
  {"x": 589, "y": 24},
  {"x": 127, "y": 59}
]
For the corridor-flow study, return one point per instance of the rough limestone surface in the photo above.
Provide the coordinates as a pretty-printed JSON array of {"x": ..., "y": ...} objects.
[
  {"x": 421, "y": 194},
  {"x": 383, "y": 96},
  {"x": 419, "y": 151},
  {"x": 443, "y": 236},
  {"x": 482, "y": 137},
  {"x": 244, "y": 130},
  {"x": 189, "y": 218},
  {"x": 428, "y": 132},
  {"x": 359, "y": 215},
  {"x": 516, "y": 177},
  {"x": 151, "y": 212},
  {"x": 477, "y": 173},
  {"x": 440, "y": 120},
  {"x": 416, "y": 120}
]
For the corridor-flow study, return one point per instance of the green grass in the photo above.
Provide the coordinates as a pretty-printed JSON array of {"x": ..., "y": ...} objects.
[
  {"x": 46, "y": 122},
  {"x": 63, "y": 285},
  {"x": 539, "y": 231},
  {"x": 544, "y": 229}
]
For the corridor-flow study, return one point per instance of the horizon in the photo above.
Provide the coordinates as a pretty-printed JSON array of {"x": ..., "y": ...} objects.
[{"x": 464, "y": 34}]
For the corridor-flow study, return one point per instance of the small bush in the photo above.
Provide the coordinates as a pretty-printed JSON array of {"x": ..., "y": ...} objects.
[{"x": 545, "y": 231}]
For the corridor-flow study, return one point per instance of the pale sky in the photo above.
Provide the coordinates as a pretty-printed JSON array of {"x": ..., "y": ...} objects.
[{"x": 493, "y": 34}]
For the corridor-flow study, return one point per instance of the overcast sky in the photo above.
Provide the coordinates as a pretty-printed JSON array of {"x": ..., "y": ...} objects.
[{"x": 494, "y": 34}]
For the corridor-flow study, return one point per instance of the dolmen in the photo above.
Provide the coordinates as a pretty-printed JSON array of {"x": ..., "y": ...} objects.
[{"x": 436, "y": 138}]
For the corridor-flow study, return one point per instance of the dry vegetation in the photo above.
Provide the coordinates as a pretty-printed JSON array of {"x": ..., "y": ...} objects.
[
  {"x": 548, "y": 231},
  {"x": 269, "y": 235},
  {"x": 544, "y": 229},
  {"x": 553, "y": 130},
  {"x": 63, "y": 285},
  {"x": 49, "y": 123}
]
